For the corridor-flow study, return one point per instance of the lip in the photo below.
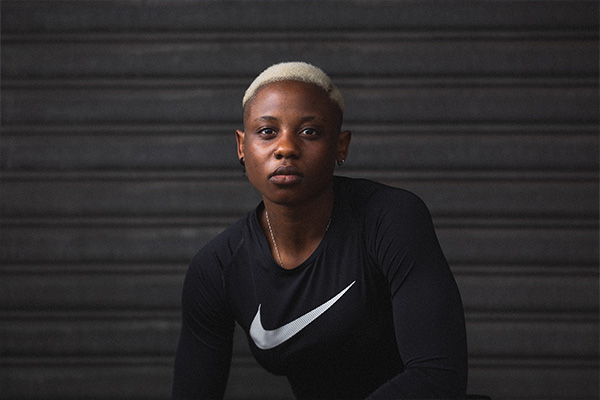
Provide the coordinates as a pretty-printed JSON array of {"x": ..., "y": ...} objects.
[{"x": 285, "y": 175}]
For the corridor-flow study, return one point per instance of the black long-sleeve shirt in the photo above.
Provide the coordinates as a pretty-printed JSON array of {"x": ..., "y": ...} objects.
[{"x": 373, "y": 313}]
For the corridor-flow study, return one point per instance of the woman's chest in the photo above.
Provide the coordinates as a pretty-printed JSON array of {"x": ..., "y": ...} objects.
[{"x": 339, "y": 300}]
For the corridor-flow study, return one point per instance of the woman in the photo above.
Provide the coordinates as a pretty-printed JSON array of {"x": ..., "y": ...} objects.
[{"x": 339, "y": 284}]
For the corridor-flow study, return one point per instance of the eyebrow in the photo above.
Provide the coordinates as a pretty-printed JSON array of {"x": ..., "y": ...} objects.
[{"x": 303, "y": 119}]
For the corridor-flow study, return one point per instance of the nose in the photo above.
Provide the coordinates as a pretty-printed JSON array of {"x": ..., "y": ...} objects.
[{"x": 287, "y": 145}]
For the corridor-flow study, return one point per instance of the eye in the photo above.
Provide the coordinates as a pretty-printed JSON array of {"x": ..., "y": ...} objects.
[
  {"x": 266, "y": 132},
  {"x": 309, "y": 132}
]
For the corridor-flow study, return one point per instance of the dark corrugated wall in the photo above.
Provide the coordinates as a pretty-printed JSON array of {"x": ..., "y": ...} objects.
[{"x": 118, "y": 163}]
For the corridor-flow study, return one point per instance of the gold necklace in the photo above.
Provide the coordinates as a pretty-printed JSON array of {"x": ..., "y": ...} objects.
[{"x": 273, "y": 237}]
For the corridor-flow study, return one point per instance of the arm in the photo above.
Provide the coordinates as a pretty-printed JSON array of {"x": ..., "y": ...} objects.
[
  {"x": 427, "y": 309},
  {"x": 204, "y": 352}
]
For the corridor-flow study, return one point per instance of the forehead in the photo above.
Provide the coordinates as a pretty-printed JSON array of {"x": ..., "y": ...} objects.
[{"x": 291, "y": 95}]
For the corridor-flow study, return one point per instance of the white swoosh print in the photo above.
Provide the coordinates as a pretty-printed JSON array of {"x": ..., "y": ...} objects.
[{"x": 268, "y": 339}]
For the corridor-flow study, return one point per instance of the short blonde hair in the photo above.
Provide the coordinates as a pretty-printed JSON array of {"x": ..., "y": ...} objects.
[{"x": 295, "y": 71}]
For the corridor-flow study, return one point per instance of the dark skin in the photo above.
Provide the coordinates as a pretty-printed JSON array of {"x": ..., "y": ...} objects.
[{"x": 291, "y": 141}]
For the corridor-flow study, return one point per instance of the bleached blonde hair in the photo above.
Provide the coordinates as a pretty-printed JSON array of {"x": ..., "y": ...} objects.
[{"x": 295, "y": 71}]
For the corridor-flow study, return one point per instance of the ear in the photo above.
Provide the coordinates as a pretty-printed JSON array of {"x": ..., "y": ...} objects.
[
  {"x": 343, "y": 146},
  {"x": 239, "y": 138}
]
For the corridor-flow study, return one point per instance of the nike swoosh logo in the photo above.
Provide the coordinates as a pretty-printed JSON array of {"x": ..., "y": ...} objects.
[{"x": 268, "y": 339}]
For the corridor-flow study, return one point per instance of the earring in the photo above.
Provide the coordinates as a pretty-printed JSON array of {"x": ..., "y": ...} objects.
[{"x": 341, "y": 162}]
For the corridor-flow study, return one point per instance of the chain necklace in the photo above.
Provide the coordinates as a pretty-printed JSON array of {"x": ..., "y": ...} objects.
[{"x": 273, "y": 237}]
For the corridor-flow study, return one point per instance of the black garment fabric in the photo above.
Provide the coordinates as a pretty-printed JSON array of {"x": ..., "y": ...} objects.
[{"x": 385, "y": 317}]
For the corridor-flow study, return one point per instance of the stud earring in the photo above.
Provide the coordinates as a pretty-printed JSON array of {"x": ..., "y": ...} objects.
[{"x": 341, "y": 162}]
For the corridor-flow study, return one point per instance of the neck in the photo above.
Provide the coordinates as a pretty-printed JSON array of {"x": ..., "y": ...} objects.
[{"x": 297, "y": 230}]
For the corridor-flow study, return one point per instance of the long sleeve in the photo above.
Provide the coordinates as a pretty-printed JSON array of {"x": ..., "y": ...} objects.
[
  {"x": 427, "y": 308},
  {"x": 203, "y": 355}
]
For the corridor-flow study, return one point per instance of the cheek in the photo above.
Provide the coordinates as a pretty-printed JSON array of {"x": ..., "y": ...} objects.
[
  {"x": 332, "y": 151},
  {"x": 256, "y": 165},
  {"x": 255, "y": 156},
  {"x": 254, "y": 175}
]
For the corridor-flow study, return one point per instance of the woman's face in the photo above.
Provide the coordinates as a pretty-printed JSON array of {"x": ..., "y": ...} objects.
[{"x": 291, "y": 141}]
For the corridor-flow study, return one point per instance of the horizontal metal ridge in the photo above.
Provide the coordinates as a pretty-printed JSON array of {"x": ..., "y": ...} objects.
[
  {"x": 166, "y": 268},
  {"x": 227, "y": 34},
  {"x": 445, "y": 81},
  {"x": 95, "y": 315},
  {"x": 500, "y": 317},
  {"x": 525, "y": 270},
  {"x": 97, "y": 361},
  {"x": 132, "y": 268},
  {"x": 164, "y": 361},
  {"x": 234, "y": 174},
  {"x": 457, "y": 222},
  {"x": 497, "y": 317},
  {"x": 120, "y": 220},
  {"x": 216, "y": 16},
  {"x": 535, "y": 363}
]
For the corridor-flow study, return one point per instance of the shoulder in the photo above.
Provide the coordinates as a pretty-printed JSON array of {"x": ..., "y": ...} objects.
[
  {"x": 207, "y": 268},
  {"x": 386, "y": 213},
  {"x": 375, "y": 198},
  {"x": 205, "y": 277},
  {"x": 215, "y": 255}
]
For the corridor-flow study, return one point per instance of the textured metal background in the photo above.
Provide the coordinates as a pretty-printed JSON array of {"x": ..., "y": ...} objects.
[{"x": 118, "y": 163}]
